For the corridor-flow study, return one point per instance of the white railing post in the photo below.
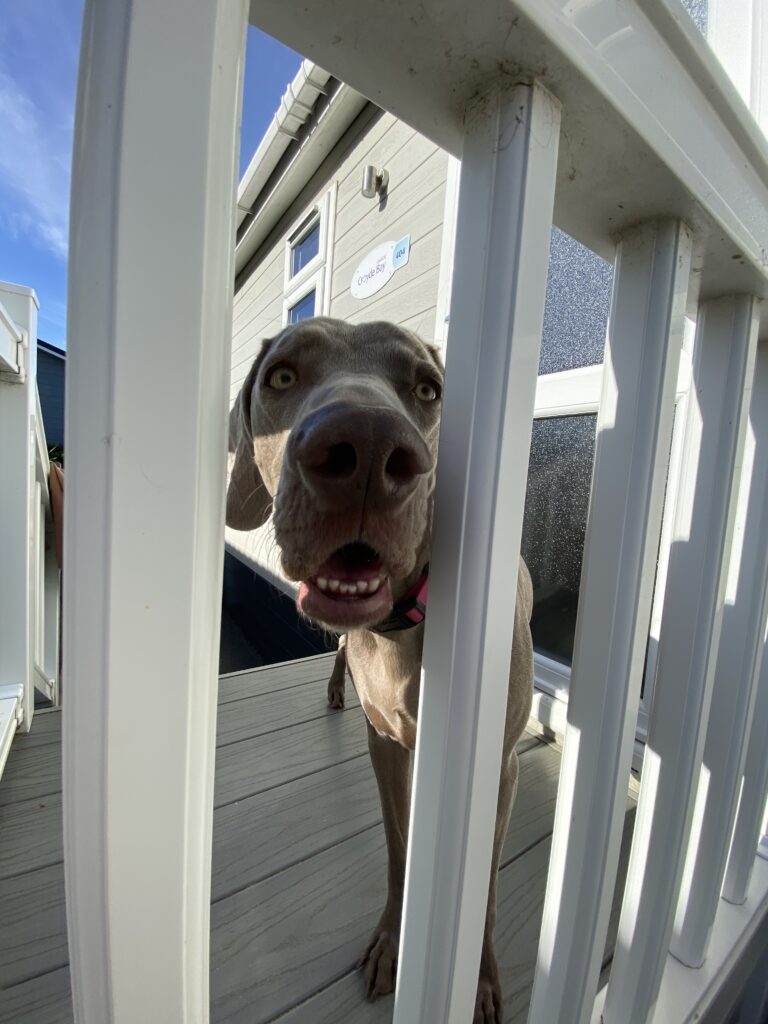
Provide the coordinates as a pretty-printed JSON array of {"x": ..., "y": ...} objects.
[
  {"x": 723, "y": 364},
  {"x": 634, "y": 431},
  {"x": 17, "y": 512},
  {"x": 734, "y": 690},
  {"x": 149, "y": 333},
  {"x": 754, "y": 793},
  {"x": 504, "y": 221}
]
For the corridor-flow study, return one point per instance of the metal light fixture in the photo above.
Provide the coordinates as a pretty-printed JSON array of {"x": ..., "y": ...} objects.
[{"x": 374, "y": 180}]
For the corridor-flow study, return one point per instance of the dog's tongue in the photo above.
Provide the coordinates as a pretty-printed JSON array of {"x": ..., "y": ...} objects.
[{"x": 352, "y": 562}]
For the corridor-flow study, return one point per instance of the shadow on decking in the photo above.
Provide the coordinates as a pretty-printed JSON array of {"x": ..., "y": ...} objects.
[{"x": 298, "y": 863}]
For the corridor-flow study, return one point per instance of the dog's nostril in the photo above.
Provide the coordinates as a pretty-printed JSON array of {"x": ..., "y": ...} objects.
[
  {"x": 402, "y": 466},
  {"x": 340, "y": 461}
]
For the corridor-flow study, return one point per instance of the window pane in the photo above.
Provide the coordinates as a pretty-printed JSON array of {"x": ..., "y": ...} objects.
[
  {"x": 577, "y": 305},
  {"x": 304, "y": 307},
  {"x": 559, "y": 480},
  {"x": 305, "y": 249}
]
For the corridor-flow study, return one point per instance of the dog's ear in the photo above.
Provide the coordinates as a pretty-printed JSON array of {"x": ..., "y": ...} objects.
[
  {"x": 248, "y": 501},
  {"x": 437, "y": 358}
]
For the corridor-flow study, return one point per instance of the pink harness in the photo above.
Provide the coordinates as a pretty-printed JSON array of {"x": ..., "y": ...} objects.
[{"x": 410, "y": 610}]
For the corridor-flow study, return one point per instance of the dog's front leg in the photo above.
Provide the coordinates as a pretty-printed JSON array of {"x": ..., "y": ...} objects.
[
  {"x": 391, "y": 763},
  {"x": 336, "y": 682},
  {"x": 488, "y": 1004}
]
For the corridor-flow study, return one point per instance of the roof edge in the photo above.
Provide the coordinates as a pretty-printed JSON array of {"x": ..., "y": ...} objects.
[{"x": 295, "y": 109}]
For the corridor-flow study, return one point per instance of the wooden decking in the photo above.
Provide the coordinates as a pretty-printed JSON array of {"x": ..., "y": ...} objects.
[{"x": 298, "y": 861}]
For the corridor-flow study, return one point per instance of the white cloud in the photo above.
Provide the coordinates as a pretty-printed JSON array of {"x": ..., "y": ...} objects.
[{"x": 34, "y": 169}]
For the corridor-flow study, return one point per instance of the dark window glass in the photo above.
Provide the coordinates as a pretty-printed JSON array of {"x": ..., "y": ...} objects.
[
  {"x": 305, "y": 249},
  {"x": 304, "y": 307},
  {"x": 577, "y": 306},
  {"x": 559, "y": 479}
]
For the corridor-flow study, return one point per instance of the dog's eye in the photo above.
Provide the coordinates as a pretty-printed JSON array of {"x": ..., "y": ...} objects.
[
  {"x": 281, "y": 378},
  {"x": 426, "y": 391}
]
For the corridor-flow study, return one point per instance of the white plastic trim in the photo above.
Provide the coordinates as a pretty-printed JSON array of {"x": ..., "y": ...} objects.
[
  {"x": 502, "y": 243},
  {"x": 753, "y": 796},
  {"x": 144, "y": 517},
  {"x": 734, "y": 690},
  {"x": 723, "y": 366},
  {"x": 295, "y": 107},
  {"x": 634, "y": 430},
  {"x": 18, "y": 453}
]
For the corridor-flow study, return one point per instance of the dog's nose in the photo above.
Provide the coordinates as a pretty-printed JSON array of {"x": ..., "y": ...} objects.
[{"x": 342, "y": 450}]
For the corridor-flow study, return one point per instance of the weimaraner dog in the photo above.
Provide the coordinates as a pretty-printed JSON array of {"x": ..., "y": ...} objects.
[{"x": 335, "y": 432}]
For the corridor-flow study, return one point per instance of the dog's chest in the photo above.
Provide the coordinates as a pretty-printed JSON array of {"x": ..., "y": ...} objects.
[{"x": 386, "y": 677}]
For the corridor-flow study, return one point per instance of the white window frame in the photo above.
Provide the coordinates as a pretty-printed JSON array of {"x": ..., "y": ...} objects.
[{"x": 316, "y": 275}]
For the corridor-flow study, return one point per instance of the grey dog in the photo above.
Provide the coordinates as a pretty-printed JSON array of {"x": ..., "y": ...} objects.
[{"x": 335, "y": 431}]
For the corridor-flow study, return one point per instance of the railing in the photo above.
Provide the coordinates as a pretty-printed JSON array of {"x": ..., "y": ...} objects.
[
  {"x": 29, "y": 579},
  {"x": 661, "y": 168}
]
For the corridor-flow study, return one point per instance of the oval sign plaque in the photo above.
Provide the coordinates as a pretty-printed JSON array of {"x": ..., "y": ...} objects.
[{"x": 373, "y": 272}]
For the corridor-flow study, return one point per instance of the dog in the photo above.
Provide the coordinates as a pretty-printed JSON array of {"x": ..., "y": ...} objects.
[{"x": 335, "y": 433}]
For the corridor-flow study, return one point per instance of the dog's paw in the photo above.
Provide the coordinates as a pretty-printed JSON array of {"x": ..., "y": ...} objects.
[
  {"x": 336, "y": 694},
  {"x": 379, "y": 963},
  {"x": 488, "y": 1004}
]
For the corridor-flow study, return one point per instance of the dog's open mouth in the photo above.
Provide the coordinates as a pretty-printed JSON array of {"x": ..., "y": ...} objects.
[{"x": 350, "y": 589}]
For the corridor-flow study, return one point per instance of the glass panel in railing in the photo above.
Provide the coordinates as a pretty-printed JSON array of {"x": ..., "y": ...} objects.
[
  {"x": 576, "y": 310},
  {"x": 559, "y": 478}
]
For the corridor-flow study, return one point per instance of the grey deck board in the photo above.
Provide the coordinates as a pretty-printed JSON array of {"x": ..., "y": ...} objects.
[
  {"x": 299, "y": 862},
  {"x": 270, "y": 678},
  {"x": 33, "y": 936},
  {"x": 258, "y": 836},
  {"x": 32, "y": 771},
  {"x": 262, "y": 762},
  {"x": 276, "y": 943},
  {"x": 287, "y": 829},
  {"x": 31, "y": 833},
  {"x": 43, "y": 1000},
  {"x": 254, "y": 716}
]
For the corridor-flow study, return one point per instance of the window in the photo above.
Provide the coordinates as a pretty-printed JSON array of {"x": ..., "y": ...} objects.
[
  {"x": 304, "y": 249},
  {"x": 559, "y": 477},
  {"x": 304, "y": 308},
  {"x": 308, "y": 249}
]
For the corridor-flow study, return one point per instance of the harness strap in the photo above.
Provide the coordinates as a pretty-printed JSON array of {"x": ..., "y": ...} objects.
[{"x": 410, "y": 610}]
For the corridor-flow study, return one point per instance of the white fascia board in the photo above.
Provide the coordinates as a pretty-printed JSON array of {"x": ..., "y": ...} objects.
[
  {"x": 294, "y": 110},
  {"x": 20, "y": 289},
  {"x": 342, "y": 109},
  {"x": 628, "y": 152}
]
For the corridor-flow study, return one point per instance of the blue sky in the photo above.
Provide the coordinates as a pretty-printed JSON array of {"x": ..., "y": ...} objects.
[{"x": 39, "y": 42}]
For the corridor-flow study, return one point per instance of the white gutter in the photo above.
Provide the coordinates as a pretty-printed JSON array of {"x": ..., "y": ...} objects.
[
  {"x": 297, "y": 109},
  {"x": 294, "y": 110}
]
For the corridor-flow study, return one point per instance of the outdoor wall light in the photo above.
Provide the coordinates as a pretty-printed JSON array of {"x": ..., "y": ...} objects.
[{"x": 374, "y": 180}]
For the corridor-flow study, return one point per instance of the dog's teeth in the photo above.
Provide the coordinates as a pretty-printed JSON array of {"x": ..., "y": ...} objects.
[
  {"x": 344, "y": 588},
  {"x": 362, "y": 587},
  {"x": 333, "y": 585},
  {"x": 322, "y": 582},
  {"x": 373, "y": 585},
  {"x": 352, "y": 588}
]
